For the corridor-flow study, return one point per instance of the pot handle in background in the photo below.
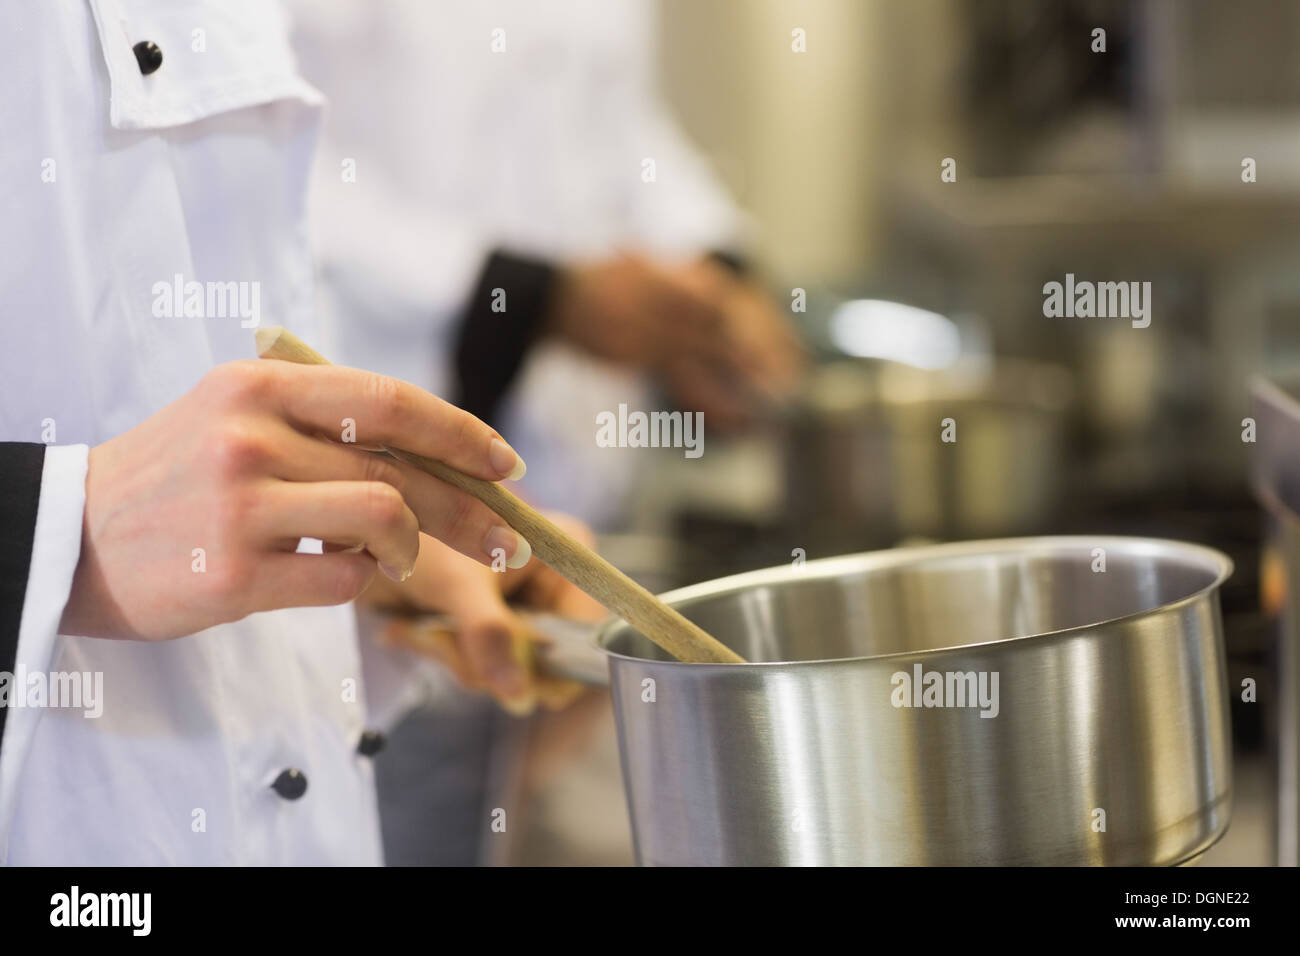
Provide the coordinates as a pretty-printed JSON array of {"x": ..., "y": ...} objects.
[{"x": 567, "y": 650}]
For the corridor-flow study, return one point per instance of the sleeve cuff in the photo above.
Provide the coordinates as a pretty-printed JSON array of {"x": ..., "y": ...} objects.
[
  {"x": 502, "y": 320},
  {"x": 21, "y": 466},
  {"x": 55, "y": 547}
]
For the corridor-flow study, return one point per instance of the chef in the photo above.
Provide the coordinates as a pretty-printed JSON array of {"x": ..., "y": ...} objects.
[
  {"x": 161, "y": 492},
  {"x": 586, "y": 258},
  {"x": 586, "y": 252}
]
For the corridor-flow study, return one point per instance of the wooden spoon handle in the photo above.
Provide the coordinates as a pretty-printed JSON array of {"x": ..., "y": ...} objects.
[{"x": 571, "y": 558}]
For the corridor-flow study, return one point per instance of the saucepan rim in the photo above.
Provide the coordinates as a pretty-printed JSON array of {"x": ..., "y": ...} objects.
[{"x": 1210, "y": 559}]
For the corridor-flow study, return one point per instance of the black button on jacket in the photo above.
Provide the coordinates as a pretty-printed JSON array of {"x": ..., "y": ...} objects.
[
  {"x": 291, "y": 784},
  {"x": 148, "y": 56}
]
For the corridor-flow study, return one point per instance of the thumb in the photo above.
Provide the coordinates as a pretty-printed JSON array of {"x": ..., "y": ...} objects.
[{"x": 494, "y": 644}]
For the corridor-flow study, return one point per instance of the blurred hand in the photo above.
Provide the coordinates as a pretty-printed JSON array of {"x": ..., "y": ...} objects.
[
  {"x": 715, "y": 341},
  {"x": 490, "y": 647}
]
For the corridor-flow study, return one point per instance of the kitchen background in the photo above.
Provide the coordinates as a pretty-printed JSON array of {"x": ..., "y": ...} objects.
[{"x": 1124, "y": 166}]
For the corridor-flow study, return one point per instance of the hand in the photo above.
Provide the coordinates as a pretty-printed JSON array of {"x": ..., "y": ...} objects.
[
  {"x": 192, "y": 517},
  {"x": 714, "y": 340},
  {"x": 490, "y": 646}
]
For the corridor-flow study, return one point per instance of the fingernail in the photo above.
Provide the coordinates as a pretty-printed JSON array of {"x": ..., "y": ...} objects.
[
  {"x": 393, "y": 574},
  {"x": 509, "y": 542},
  {"x": 506, "y": 460},
  {"x": 522, "y": 554},
  {"x": 355, "y": 549}
]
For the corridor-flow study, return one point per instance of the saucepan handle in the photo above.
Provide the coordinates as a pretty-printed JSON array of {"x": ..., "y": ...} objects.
[{"x": 566, "y": 647}]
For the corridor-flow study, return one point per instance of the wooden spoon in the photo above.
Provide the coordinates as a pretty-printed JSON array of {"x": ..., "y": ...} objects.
[{"x": 571, "y": 558}]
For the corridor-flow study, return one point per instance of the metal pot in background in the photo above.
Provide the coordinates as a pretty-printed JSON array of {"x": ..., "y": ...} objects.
[
  {"x": 1110, "y": 699},
  {"x": 865, "y": 460}
]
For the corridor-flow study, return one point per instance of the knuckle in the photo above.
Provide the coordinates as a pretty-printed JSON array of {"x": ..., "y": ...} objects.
[
  {"x": 230, "y": 580},
  {"x": 388, "y": 396},
  {"x": 381, "y": 470},
  {"x": 468, "y": 434},
  {"x": 246, "y": 380},
  {"x": 238, "y": 448},
  {"x": 386, "y": 507}
]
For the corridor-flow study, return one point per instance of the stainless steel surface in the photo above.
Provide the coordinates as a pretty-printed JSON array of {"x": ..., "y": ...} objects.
[
  {"x": 1111, "y": 696},
  {"x": 569, "y": 649},
  {"x": 1275, "y": 475},
  {"x": 863, "y": 449}
]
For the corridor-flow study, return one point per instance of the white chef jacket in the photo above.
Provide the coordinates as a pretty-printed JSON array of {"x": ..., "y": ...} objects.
[
  {"x": 196, "y": 170},
  {"x": 459, "y": 147}
]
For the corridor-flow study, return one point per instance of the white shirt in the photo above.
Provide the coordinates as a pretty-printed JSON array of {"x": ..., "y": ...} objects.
[{"x": 115, "y": 181}]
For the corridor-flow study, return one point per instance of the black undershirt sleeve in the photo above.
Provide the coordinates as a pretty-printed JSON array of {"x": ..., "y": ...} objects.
[
  {"x": 491, "y": 345},
  {"x": 21, "y": 464}
]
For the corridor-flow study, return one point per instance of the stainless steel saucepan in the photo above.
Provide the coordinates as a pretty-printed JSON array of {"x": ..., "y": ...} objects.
[
  {"x": 863, "y": 455},
  {"x": 1056, "y": 700}
]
